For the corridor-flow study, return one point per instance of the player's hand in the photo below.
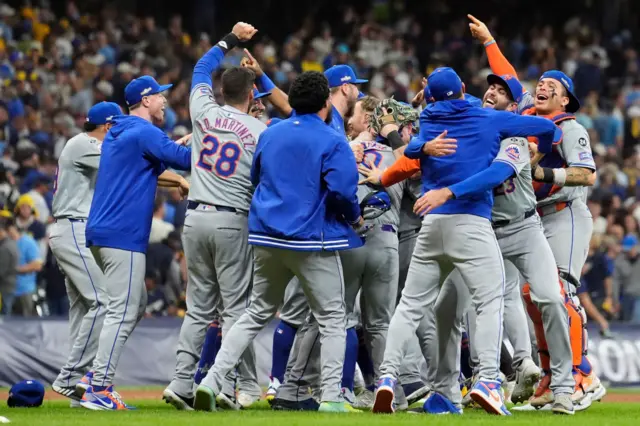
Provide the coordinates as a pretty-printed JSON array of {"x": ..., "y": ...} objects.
[
  {"x": 184, "y": 140},
  {"x": 431, "y": 200},
  {"x": 184, "y": 188},
  {"x": 388, "y": 128},
  {"x": 359, "y": 224},
  {"x": 479, "y": 30},
  {"x": 419, "y": 97},
  {"x": 250, "y": 62},
  {"x": 371, "y": 173},
  {"x": 244, "y": 31},
  {"x": 358, "y": 152},
  {"x": 440, "y": 146}
]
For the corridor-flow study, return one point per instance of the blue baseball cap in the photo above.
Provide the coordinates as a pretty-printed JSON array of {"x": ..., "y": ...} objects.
[
  {"x": 428, "y": 97},
  {"x": 444, "y": 84},
  {"x": 342, "y": 74},
  {"x": 143, "y": 86},
  {"x": 258, "y": 95},
  {"x": 565, "y": 80},
  {"x": 27, "y": 393},
  {"x": 103, "y": 113},
  {"x": 508, "y": 81},
  {"x": 361, "y": 95}
]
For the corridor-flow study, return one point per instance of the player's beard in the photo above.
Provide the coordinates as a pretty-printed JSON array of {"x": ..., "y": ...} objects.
[{"x": 329, "y": 116}]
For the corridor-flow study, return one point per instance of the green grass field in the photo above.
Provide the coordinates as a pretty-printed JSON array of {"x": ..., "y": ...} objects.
[{"x": 155, "y": 413}]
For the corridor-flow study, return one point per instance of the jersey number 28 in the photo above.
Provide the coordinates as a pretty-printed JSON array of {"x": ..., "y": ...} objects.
[{"x": 227, "y": 155}]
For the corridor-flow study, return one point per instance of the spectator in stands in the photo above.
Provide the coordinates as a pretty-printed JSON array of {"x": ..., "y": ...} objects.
[
  {"x": 41, "y": 189},
  {"x": 8, "y": 267},
  {"x": 159, "y": 228},
  {"x": 597, "y": 274},
  {"x": 627, "y": 276},
  {"x": 29, "y": 265}
]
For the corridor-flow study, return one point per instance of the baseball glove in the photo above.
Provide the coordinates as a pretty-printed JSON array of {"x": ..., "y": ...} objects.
[
  {"x": 375, "y": 204},
  {"x": 390, "y": 111}
]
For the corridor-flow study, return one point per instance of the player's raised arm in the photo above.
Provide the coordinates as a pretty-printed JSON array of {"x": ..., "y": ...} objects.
[
  {"x": 278, "y": 98},
  {"x": 497, "y": 61},
  {"x": 210, "y": 61},
  {"x": 512, "y": 125}
]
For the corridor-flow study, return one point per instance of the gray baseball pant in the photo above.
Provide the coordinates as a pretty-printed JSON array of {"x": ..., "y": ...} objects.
[
  {"x": 414, "y": 367},
  {"x": 127, "y": 299},
  {"x": 220, "y": 265},
  {"x": 466, "y": 242},
  {"x": 85, "y": 283},
  {"x": 320, "y": 274}
]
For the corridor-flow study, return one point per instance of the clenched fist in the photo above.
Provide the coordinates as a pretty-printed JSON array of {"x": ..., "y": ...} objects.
[{"x": 244, "y": 31}]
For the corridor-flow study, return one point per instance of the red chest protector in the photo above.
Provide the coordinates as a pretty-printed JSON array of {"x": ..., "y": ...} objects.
[{"x": 552, "y": 160}]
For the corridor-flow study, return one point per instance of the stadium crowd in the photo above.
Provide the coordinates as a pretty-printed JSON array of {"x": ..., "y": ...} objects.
[{"x": 53, "y": 68}]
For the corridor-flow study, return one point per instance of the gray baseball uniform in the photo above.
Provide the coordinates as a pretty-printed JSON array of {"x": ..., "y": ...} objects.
[
  {"x": 519, "y": 234},
  {"x": 84, "y": 281},
  {"x": 414, "y": 367},
  {"x": 566, "y": 219},
  {"x": 215, "y": 237}
]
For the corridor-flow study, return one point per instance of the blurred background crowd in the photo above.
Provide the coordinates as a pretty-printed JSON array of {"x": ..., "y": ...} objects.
[{"x": 59, "y": 58}]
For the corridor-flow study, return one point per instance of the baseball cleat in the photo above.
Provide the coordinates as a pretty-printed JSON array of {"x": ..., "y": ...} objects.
[
  {"x": 337, "y": 407},
  {"x": 438, "y": 404},
  {"x": 309, "y": 404},
  {"x": 107, "y": 399},
  {"x": 543, "y": 395},
  {"x": 587, "y": 385},
  {"x": 415, "y": 391},
  {"x": 527, "y": 375},
  {"x": 181, "y": 403},
  {"x": 349, "y": 396},
  {"x": 274, "y": 384},
  {"x": 245, "y": 400},
  {"x": 488, "y": 394},
  {"x": 583, "y": 404},
  {"x": 205, "y": 399},
  {"x": 384, "y": 396},
  {"x": 563, "y": 405},
  {"x": 84, "y": 383},
  {"x": 364, "y": 401},
  {"x": 74, "y": 404},
  {"x": 70, "y": 392},
  {"x": 227, "y": 402}
]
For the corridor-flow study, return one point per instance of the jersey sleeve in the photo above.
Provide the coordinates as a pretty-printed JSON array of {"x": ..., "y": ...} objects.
[
  {"x": 499, "y": 64},
  {"x": 89, "y": 155},
  {"x": 402, "y": 169},
  {"x": 201, "y": 100},
  {"x": 514, "y": 152},
  {"x": 157, "y": 146},
  {"x": 576, "y": 148}
]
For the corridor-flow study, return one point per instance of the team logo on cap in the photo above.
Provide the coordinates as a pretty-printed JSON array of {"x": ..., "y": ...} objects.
[
  {"x": 346, "y": 78},
  {"x": 145, "y": 91},
  {"x": 513, "y": 152}
]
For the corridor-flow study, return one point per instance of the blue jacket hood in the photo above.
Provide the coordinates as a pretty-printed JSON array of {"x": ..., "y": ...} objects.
[
  {"x": 445, "y": 109},
  {"x": 122, "y": 123}
]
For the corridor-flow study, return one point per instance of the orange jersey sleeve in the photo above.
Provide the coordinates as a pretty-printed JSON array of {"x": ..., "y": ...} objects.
[
  {"x": 498, "y": 63},
  {"x": 402, "y": 169}
]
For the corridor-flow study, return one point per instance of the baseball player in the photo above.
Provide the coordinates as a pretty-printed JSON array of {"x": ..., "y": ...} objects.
[
  {"x": 470, "y": 243},
  {"x": 135, "y": 155},
  {"x": 298, "y": 222},
  {"x": 344, "y": 93},
  {"x": 73, "y": 191},
  {"x": 219, "y": 258},
  {"x": 559, "y": 185}
]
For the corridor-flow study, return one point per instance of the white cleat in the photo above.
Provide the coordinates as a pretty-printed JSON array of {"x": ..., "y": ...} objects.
[
  {"x": 245, "y": 400},
  {"x": 527, "y": 375}
]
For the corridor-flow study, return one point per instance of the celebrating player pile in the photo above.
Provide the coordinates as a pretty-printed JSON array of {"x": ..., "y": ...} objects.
[{"x": 382, "y": 249}]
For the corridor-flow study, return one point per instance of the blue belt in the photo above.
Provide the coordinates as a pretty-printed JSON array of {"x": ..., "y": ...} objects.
[
  {"x": 70, "y": 219},
  {"x": 192, "y": 205},
  {"x": 502, "y": 223}
]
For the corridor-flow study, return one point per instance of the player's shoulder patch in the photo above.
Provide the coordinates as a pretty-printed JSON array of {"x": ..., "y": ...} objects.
[
  {"x": 585, "y": 156},
  {"x": 513, "y": 151}
]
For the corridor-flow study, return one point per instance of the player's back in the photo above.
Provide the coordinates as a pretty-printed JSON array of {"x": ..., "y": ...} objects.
[
  {"x": 222, "y": 147},
  {"x": 76, "y": 177},
  {"x": 382, "y": 157}
]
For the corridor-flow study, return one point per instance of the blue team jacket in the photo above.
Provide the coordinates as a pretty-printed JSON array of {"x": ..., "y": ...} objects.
[
  {"x": 478, "y": 132},
  {"x": 305, "y": 179},
  {"x": 134, "y": 154}
]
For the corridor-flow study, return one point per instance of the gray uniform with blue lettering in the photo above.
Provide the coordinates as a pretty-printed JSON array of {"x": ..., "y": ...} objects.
[
  {"x": 526, "y": 251},
  {"x": 215, "y": 237},
  {"x": 84, "y": 280}
]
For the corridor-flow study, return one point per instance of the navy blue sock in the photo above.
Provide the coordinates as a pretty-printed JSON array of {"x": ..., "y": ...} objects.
[
  {"x": 465, "y": 357},
  {"x": 350, "y": 358},
  {"x": 365, "y": 362},
  {"x": 283, "y": 337},
  {"x": 209, "y": 352},
  {"x": 585, "y": 365},
  {"x": 99, "y": 388}
]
